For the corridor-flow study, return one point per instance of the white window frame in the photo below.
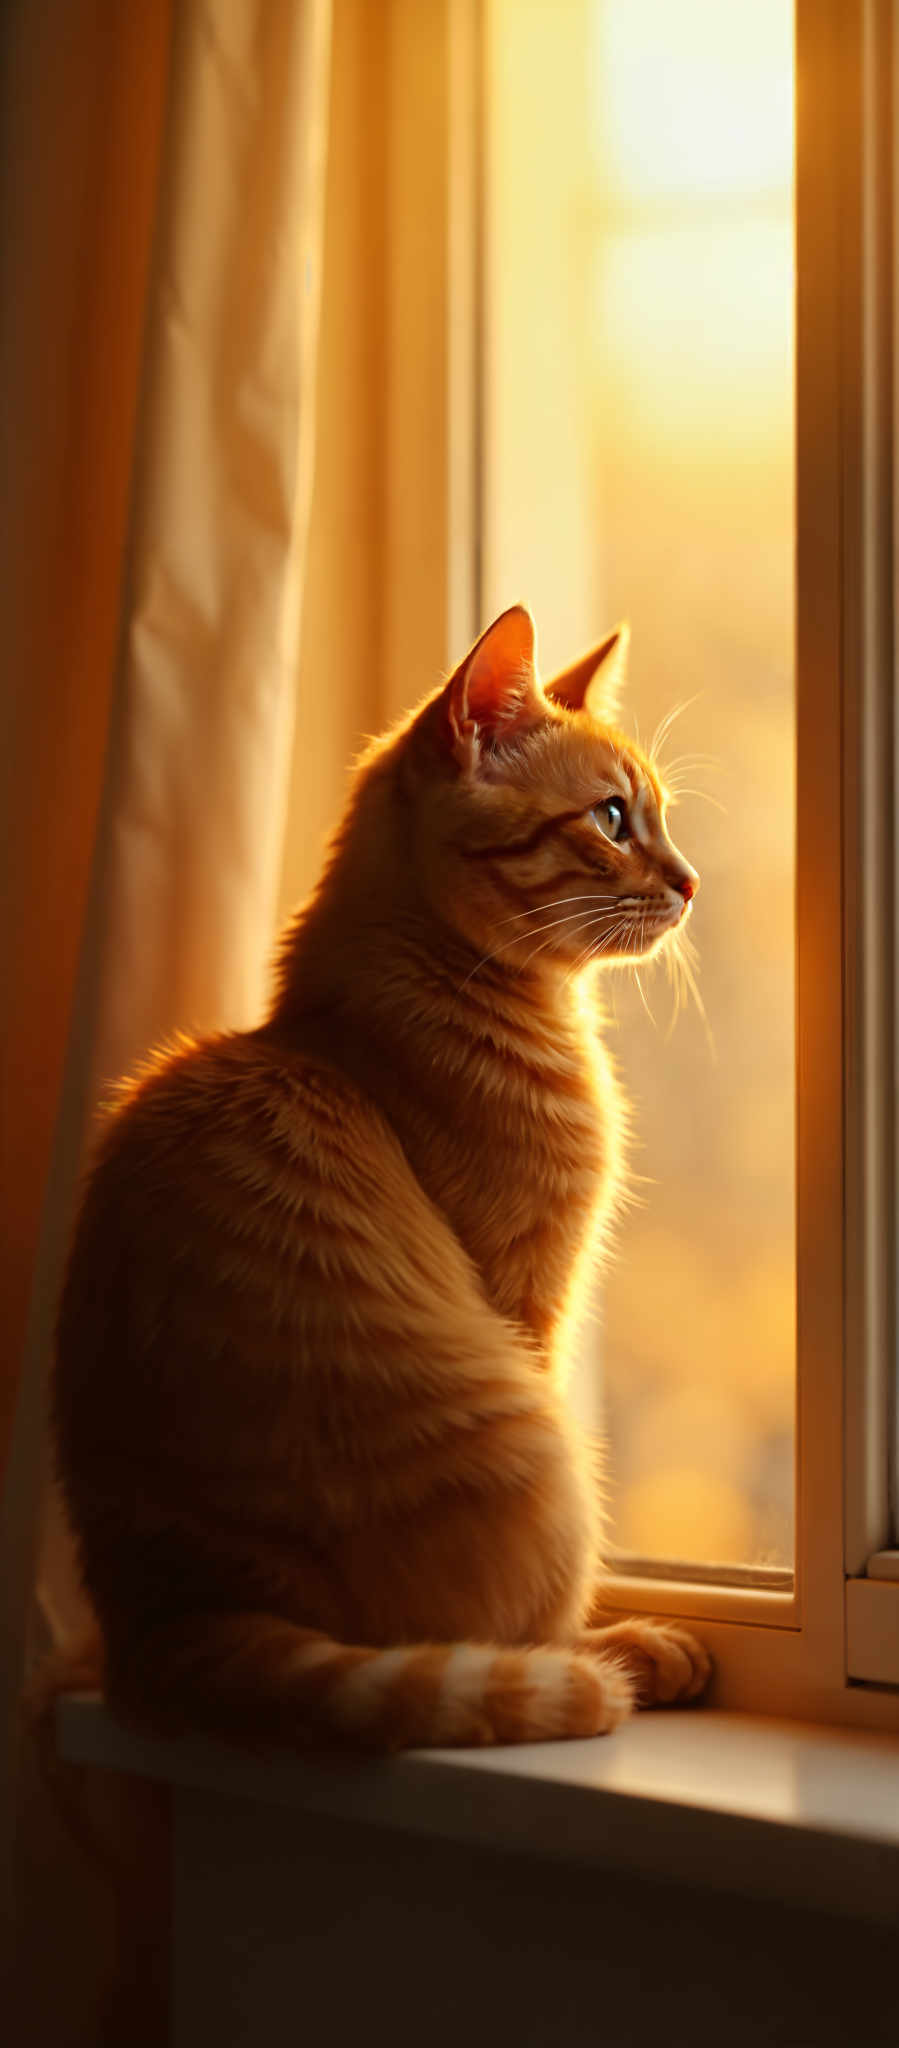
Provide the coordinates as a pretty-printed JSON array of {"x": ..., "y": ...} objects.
[{"x": 827, "y": 1646}]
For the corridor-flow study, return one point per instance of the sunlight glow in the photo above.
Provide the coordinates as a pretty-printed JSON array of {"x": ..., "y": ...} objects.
[
  {"x": 639, "y": 435},
  {"x": 692, "y": 432},
  {"x": 697, "y": 97}
]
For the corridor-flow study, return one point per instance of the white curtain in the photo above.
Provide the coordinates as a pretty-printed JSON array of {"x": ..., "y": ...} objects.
[{"x": 187, "y": 856}]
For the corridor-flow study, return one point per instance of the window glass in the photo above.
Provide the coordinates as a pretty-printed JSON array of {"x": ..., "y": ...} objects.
[{"x": 656, "y": 253}]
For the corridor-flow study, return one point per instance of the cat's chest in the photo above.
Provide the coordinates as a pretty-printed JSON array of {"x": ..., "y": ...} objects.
[{"x": 523, "y": 1167}]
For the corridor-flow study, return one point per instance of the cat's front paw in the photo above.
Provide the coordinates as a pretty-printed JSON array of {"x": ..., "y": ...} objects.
[{"x": 665, "y": 1661}]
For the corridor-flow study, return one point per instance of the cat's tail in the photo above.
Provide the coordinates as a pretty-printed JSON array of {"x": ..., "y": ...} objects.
[{"x": 257, "y": 1679}]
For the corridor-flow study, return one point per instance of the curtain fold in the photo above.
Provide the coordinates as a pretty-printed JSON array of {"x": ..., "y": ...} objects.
[
  {"x": 205, "y": 701},
  {"x": 168, "y": 699},
  {"x": 82, "y": 111}
]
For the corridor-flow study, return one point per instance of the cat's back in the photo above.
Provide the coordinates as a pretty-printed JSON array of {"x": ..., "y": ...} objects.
[
  {"x": 233, "y": 1176},
  {"x": 254, "y": 1269},
  {"x": 226, "y": 1118}
]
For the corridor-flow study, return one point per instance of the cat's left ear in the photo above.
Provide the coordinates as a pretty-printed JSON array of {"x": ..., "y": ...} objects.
[
  {"x": 495, "y": 693},
  {"x": 595, "y": 682}
]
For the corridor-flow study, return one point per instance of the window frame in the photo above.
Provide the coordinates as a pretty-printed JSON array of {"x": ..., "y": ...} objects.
[
  {"x": 871, "y": 1560},
  {"x": 820, "y": 1649}
]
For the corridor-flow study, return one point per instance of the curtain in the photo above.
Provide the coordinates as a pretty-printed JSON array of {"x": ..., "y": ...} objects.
[{"x": 164, "y": 188}]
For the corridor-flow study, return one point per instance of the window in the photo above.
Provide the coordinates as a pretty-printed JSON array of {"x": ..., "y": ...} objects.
[
  {"x": 672, "y": 265},
  {"x": 588, "y": 412}
]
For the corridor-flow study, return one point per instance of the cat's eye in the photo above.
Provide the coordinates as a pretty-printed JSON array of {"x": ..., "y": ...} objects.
[{"x": 611, "y": 819}]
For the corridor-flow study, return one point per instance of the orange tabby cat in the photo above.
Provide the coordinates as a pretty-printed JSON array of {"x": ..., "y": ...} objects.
[{"x": 309, "y": 1409}]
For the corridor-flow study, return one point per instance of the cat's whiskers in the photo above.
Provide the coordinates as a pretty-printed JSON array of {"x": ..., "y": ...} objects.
[
  {"x": 643, "y": 997},
  {"x": 664, "y": 726},
  {"x": 599, "y": 945},
  {"x": 636, "y": 974},
  {"x": 553, "y": 925},
  {"x": 595, "y": 918},
  {"x": 616, "y": 921},
  {"x": 673, "y": 965},
  {"x": 677, "y": 792},
  {"x": 673, "y": 774},
  {"x": 618, "y": 932},
  {"x": 554, "y": 903},
  {"x": 684, "y": 959},
  {"x": 593, "y": 954},
  {"x": 685, "y": 761}
]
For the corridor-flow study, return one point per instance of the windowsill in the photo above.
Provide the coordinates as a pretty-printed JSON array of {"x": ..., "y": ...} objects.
[{"x": 772, "y": 1809}]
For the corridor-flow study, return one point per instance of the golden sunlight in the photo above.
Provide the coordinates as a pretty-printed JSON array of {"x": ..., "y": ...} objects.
[
  {"x": 639, "y": 425},
  {"x": 697, "y": 98},
  {"x": 692, "y": 432}
]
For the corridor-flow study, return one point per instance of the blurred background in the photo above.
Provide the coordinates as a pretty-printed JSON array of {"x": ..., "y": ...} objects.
[{"x": 639, "y": 464}]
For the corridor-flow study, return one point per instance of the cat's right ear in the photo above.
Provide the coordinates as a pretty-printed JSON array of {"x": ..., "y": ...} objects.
[
  {"x": 495, "y": 693},
  {"x": 595, "y": 682}
]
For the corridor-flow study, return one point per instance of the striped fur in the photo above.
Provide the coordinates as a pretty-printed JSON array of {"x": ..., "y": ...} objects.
[{"x": 308, "y": 1398}]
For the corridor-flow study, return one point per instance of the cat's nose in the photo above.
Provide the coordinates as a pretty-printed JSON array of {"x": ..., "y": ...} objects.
[{"x": 687, "y": 881}]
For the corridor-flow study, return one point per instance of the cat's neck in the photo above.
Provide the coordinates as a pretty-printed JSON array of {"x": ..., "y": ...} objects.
[
  {"x": 396, "y": 964},
  {"x": 369, "y": 943}
]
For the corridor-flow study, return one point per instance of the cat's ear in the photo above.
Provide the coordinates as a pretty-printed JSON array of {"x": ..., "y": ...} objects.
[
  {"x": 495, "y": 693},
  {"x": 595, "y": 682}
]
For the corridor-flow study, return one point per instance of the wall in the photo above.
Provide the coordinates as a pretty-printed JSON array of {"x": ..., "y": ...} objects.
[{"x": 307, "y": 1929}]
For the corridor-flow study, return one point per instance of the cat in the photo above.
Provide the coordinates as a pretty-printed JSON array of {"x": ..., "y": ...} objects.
[{"x": 308, "y": 1396}]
